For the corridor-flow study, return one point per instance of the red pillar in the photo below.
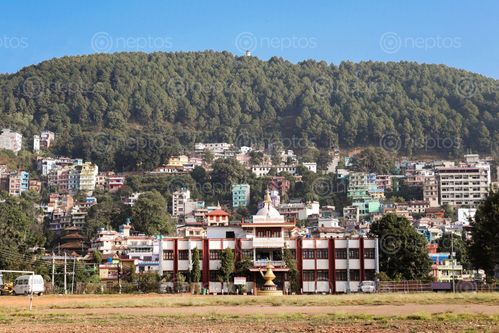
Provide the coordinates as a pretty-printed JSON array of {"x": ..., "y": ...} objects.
[
  {"x": 206, "y": 263},
  {"x": 175, "y": 259},
  {"x": 299, "y": 259},
  {"x": 332, "y": 264},
  {"x": 315, "y": 263},
  {"x": 361, "y": 257}
]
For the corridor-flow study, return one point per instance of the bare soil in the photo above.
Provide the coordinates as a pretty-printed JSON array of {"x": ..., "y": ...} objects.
[{"x": 98, "y": 314}]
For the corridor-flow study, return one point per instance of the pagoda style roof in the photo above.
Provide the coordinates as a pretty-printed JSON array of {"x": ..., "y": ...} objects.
[
  {"x": 74, "y": 235},
  {"x": 72, "y": 245},
  {"x": 218, "y": 212}
]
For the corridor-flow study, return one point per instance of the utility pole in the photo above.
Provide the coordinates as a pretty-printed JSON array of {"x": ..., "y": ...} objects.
[
  {"x": 73, "y": 279},
  {"x": 53, "y": 270},
  {"x": 65, "y": 271}
]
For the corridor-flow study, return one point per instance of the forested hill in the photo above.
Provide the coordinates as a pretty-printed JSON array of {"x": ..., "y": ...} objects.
[{"x": 131, "y": 110}]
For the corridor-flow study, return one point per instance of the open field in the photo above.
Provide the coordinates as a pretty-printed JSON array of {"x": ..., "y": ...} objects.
[{"x": 185, "y": 313}]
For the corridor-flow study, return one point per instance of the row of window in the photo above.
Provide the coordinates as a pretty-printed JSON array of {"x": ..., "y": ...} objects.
[
  {"x": 369, "y": 253},
  {"x": 322, "y": 275},
  {"x": 341, "y": 275}
]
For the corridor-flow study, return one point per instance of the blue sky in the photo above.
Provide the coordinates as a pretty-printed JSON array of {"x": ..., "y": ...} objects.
[{"x": 462, "y": 34}]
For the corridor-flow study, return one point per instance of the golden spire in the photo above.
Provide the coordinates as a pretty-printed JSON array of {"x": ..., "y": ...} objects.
[{"x": 266, "y": 198}]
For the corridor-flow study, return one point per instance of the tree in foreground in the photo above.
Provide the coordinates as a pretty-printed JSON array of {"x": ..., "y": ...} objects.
[
  {"x": 484, "y": 247},
  {"x": 196, "y": 269},
  {"x": 403, "y": 253},
  {"x": 20, "y": 235},
  {"x": 293, "y": 276},
  {"x": 149, "y": 214},
  {"x": 227, "y": 266}
]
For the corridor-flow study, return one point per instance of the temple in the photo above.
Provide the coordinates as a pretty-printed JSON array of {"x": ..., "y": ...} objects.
[{"x": 324, "y": 265}]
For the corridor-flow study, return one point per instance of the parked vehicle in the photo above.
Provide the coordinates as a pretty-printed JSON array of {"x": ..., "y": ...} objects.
[
  {"x": 367, "y": 287},
  {"x": 23, "y": 285}
]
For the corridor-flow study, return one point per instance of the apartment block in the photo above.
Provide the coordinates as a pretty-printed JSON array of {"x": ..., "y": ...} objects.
[
  {"x": 463, "y": 186},
  {"x": 18, "y": 182},
  {"x": 11, "y": 140},
  {"x": 240, "y": 195}
]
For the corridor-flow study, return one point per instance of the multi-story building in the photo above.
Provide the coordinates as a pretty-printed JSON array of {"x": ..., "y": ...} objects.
[
  {"x": 36, "y": 143},
  {"x": 215, "y": 148},
  {"x": 324, "y": 265},
  {"x": 217, "y": 217},
  {"x": 263, "y": 170},
  {"x": 430, "y": 190},
  {"x": 240, "y": 195},
  {"x": 179, "y": 200},
  {"x": 463, "y": 186},
  {"x": 63, "y": 202},
  {"x": 11, "y": 140},
  {"x": 109, "y": 181},
  {"x": 46, "y": 139},
  {"x": 360, "y": 184},
  {"x": 88, "y": 177},
  {"x": 132, "y": 199},
  {"x": 18, "y": 182}
]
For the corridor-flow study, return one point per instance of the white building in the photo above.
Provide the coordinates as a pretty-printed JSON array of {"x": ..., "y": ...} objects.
[
  {"x": 311, "y": 208},
  {"x": 36, "y": 143},
  {"x": 311, "y": 166},
  {"x": 263, "y": 170},
  {"x": 215, "y": 148},
  {"x": 10, "y": 140},
  {"x": 179, "y": 200},
  {"x": 88, "y": 177},
  {"x": 463, "y": 186},
  {"x": 465, "y": 215}
]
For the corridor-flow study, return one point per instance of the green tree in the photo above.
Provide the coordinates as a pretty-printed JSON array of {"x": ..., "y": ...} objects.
[
  {"x": 196, "y": 266},
  {"x": 373, "y": 159},
  {"x": 149, "y": 214},
  {"x": 484, "y": 247},
  {"x": 227, "y": 266},
  {"x": 293, "y": 274},
  {"x": 402, "y": 249},
  {"x": 460, "y": 247},
  {"x": 20, "y": 236},
  {"x": 208, "y": 156}
]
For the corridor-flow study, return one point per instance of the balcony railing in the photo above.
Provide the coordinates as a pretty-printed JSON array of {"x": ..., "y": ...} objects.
[
  {"x": 263, "y": 263},
  {"x": 268, "y": 242}
]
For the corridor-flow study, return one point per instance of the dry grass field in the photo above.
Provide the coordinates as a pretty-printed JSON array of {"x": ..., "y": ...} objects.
[{"x": 426, "y": 312}]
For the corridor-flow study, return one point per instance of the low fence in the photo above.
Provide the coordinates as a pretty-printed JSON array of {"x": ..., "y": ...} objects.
[
  {"x": 420, "y": 286},
  {"x": 185, "y": 287},
  {"x": 404, "y": 286},
  {"x": 131, "y": 287}
]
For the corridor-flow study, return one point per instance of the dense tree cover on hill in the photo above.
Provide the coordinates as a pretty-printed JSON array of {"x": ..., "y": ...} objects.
[{"x": 132, "y": 110}]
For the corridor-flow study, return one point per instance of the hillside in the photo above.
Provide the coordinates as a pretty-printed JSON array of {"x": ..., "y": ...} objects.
[{"x": 132, "y": 110}]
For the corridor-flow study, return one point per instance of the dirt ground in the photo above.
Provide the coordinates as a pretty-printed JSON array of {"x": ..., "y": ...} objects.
[{"x": 89, "y": 313}]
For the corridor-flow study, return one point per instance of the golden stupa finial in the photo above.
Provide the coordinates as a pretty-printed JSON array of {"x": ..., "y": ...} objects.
[{"x": 266, "y": 198}]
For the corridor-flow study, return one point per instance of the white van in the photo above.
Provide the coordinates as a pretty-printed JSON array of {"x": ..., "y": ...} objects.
[{"x": 24, "y": 283}]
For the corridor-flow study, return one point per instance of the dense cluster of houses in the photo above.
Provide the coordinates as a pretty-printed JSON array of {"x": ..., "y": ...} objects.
[
  {"x": 325, "y": 264},
  {"x": 331, "y": 247}
]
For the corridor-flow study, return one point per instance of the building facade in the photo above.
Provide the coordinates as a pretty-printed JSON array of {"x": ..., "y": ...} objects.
[
  {"x": 10, "y": 140},
  {"x": 463, "y": 186},
  {"x": 240, "y": 195}
]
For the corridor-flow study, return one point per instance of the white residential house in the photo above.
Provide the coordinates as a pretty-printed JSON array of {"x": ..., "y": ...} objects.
[
  {"x": 11, "y": 140},
  {"x": 179, "y": 200},
  {"x": 36, "y": 143}
]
